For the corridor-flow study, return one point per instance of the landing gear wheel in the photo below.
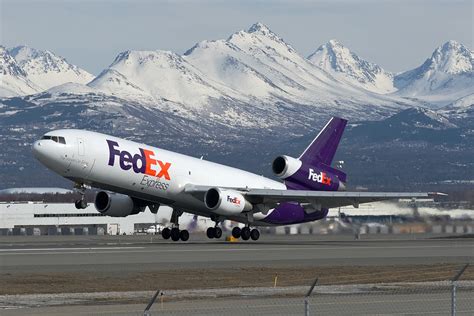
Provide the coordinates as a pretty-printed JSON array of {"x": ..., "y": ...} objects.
[
  {"x": 175, "y": 234},
  {"x": 236, "y": 232},
  {"x": 217, "y": 232},
  {"x": 210, "y": 232},
  {"x": 166, "y": 233},
  {"x": 184, "y": 235},
  {"x": 80, "y": 204},
  {"x": 245, "y": 233},
  {"x": 254, "y": 234}
]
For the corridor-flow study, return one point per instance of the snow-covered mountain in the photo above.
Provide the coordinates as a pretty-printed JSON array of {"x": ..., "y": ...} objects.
[
  {"x": 157, "y": 76},
  {"x": 230, "y": 79},
  {"x": 344, "y": 64},
  {"x": 443, "y": 78},
  {"x": 13, "y": 79},
  {"x": 26, "y": 70},
  {"x": 47, "y": 69}
]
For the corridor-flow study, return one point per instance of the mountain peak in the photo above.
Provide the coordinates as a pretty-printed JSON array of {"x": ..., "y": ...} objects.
[
  {"x": 46, "y": 69},
  {"x": 446, "y": 76},
  {"x": 453, "y": 58},
  {"x": 334, "y": 43},
  {"x": 8, "y": 64},
  {"x": 259, "y": 28},
  {"x": 339, "y": 60},
  {"x": 23, "y": 52}
]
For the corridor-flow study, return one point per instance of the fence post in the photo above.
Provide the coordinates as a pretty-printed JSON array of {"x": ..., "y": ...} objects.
[
  {"x": 453, "y": 289},
  {"x": 146, "y": 312},
  {"x": 306, "y": 302}
]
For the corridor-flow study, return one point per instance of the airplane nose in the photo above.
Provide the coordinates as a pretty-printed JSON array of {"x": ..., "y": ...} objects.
[{"x": 37, "y": 149}]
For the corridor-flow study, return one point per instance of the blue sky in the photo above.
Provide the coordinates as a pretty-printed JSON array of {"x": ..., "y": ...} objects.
[{"x": 398, "y": 35}]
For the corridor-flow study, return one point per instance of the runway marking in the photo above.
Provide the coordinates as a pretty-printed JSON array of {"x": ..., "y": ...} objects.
[
  {"x": 99, "y": 250},
  {"x": 66, "y": 249}
]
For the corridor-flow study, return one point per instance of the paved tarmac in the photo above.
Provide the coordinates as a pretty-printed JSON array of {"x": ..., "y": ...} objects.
[{"x": 142, "y": 253}]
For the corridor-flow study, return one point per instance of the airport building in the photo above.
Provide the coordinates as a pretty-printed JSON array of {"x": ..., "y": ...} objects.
[{"x": 38, "y": 218}]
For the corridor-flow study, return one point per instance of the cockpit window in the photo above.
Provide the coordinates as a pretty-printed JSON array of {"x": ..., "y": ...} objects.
[{"x": 57, "y": 139}]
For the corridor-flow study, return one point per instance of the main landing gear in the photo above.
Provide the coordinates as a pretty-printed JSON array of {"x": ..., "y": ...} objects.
[
  {"x": 175, "y": 233},
  {"x": 245, "y": 233},
  {"x": 214, "y": 232},
  {"x": 82, "y": 203}
]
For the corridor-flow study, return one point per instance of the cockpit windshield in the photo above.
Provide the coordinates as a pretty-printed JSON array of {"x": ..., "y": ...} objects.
[{"x": 57, "y": 139}]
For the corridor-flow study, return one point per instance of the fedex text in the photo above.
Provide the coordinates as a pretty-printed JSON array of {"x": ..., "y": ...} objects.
[
  {"x": 233, "y": 200},
  {"x": 320, "y": 177},
  {"x": 144, "y": 162}
]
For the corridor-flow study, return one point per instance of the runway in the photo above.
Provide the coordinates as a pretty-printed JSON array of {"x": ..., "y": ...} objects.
[
  {"x": 143, "y": 253},
  {"x": 133, "y": 267}
]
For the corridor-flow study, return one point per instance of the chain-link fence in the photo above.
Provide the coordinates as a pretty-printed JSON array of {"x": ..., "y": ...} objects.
[
  {"x": 414, "y": 290},
  {"x": 358, "y": 296}
]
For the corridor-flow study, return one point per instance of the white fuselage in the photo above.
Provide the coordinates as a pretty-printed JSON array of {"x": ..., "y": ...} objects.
[{"x": 117, "y": 164}]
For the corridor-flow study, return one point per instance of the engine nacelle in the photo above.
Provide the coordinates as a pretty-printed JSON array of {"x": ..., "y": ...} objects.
[
  {"x": 285, "y": 166},
  {"x": 117, "y": 205},
  {"x": 226, "y": 202}
]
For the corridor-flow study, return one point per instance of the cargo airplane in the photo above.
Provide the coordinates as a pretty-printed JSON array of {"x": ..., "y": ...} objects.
[{"x": 133, "y": 176}]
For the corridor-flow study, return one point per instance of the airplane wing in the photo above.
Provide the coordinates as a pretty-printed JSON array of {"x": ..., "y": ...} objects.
[
  {"x": 324, "y": 199},
  {"x": 327, "y": 199}
]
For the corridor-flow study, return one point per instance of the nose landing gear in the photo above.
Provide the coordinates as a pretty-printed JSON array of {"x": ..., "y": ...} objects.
[{"x": 82, "y": 203}]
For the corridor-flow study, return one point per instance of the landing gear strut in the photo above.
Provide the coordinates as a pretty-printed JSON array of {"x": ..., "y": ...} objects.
[
  {"x": 174, "y": 233},
  {"x": 82, "y": 203}
]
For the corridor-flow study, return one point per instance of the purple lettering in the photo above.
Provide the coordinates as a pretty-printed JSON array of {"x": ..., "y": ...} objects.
[
  {"x": 125, "y": 160},
  {"x": 112, "y": 151},
  {"x": 136, "y": 159}
]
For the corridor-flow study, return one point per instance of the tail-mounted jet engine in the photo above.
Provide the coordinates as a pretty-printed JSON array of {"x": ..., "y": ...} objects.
[
  {"x": 226, "y": 202},
  {"x": 117, "y": 205},
  {"x": 299, "y": 175},
  {"x": 285, "y": 166}
]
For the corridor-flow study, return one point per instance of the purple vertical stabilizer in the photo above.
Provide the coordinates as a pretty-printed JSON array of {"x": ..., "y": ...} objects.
[
  {"x": 312, "y": 170},
  {"x": 323, "y": 148}
]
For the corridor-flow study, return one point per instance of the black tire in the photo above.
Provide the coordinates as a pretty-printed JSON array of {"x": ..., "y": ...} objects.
[
  {"x": 254, "y": 234},
  {"x": 217, "y": 232},
  {"x": 210, "y": 232},
  {"x": 236, "y": 232},
  {"x": 83, "y": 204},
  {"x": 77, "y": 204},
  {"x": 166, "y": 233},
  {"x": 184, "y": 235},
  {"x": 245, "y": 233},
  {"x": 175, "y": 234}
]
